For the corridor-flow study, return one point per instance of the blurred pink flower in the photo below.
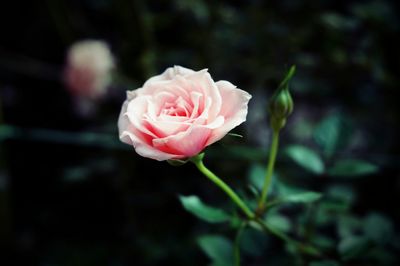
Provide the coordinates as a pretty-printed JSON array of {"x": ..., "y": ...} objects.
[
  {"x": 177, "y": 114},
  {"x": 88, "y": 69}
]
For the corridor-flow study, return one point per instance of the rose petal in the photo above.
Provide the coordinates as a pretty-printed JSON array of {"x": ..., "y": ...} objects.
[
  {"x": 145, "y": 149},
  {"x": 169, "y": 74},
  {"x": 161, "y": 98},
  {"x": 218, "y": 122},
  {"x": 203, "y": 83},
  {"x": 187, "y": 143},
  {"x": 130, "y": 95},
  {"x": 135, "y": 113},
  {"x": 234, "y": 109},
  {"x": 203, "y": 117},
  {"x": 164, "y": 128},
  {"x": 123, "y": 120},
  {"x": 195, "y": 98},
  {"x": 176, "y": 87}
]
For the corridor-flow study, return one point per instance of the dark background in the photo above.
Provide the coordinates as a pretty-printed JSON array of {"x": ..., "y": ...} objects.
[{"x": 73, "y": 199}]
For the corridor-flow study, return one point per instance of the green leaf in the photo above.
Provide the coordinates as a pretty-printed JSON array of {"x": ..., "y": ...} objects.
[
  {"x": 352, "y": 167},
  {"x": 353, "y": 247},
  {"x": 378, "y": 228},
  {"x": 235, "y": 135},
  {"x": 348, "y": 225},
  {"x": 342, "y": 193},
  {"x": 256, "y": 176},
  {"x": 333, "y": 133},
  {"x": 306, "y": 158},
  {"x": 284, "y": 189},
  {"x": 289, "y": 75},
  {"x": 218, "y": 248},
  {"x": 252, "y": 242},
  {"x": 209, "y": 214},
  {"x": 329, "y": 211},
  {"x": 304, "y": 197},
  {"x": 177, "y": 162},
  {"x": 279, "y": 222},
  {"x": 338, "y": 22},
  {"x": 323, "y": 242}
]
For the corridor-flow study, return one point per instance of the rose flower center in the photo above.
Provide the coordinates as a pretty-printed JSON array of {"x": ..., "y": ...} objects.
[{"x": 179, "y": 107}]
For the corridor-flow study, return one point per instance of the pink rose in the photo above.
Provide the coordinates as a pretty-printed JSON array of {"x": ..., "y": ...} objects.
[
  {"x": 88, "y": 70},
  {"x": 177, "y": 114}
]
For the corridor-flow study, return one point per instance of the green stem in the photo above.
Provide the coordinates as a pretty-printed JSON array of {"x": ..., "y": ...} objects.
[
  {"x": 236, "y": 250},
  {"x": 222, "y": 185},
  {"x": 270, "y": 169},
  {"x": 302, "y": 247}
]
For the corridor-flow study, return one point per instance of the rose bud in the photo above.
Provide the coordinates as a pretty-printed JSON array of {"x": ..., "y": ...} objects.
[
  {"x": 281, "y": 103},
  {"x": 177, "y": 114},
  {"x": 88, "y": 69}
]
